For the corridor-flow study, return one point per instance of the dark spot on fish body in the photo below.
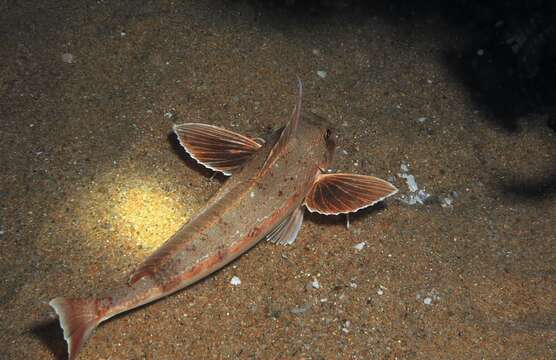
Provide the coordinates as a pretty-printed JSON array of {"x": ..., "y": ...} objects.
[
  {"x": 221, "y": 254},
  {"x": 253, "y": 233},
  {"x": 104, "y": 304}
]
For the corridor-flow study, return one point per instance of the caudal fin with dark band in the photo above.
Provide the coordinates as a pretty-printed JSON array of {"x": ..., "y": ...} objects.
[{"x": 78, "y": 318}]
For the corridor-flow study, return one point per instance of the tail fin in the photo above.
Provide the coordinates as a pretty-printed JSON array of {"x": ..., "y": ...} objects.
[{"x": 78, "y": 318}]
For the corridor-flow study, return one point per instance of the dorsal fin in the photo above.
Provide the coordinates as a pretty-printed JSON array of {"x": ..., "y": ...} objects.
[{"x": 288, "y": 133}]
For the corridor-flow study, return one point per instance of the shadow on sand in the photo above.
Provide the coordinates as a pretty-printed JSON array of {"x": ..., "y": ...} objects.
[
  {"x": 507, "y": 63},
  {"x": 51, "y": 335}
]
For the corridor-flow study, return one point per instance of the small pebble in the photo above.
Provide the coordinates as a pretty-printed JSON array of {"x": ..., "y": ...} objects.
[
  {"x": 427, "y": 301},
  {"x": 235, "y": 281},
  {"x": 315, "y": 283},
  {"x": 345, "y": 328},
  {"x": 321, "y": 73},
  {"x": 380, "y": 292},
  {"x": 480, "y": 52},
  {"x": 422, "y": 119},
  {"x": 360, "y": 246},
  {"x": 67, "y": 58},
  {"x": 446, "y": 202}
]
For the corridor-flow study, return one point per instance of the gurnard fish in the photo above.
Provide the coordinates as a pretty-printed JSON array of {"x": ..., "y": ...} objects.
[{"x": 272, "y": 182}]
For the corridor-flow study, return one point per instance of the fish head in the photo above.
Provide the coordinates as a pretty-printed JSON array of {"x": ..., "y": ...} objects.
[{"x": 319, "y": 138}]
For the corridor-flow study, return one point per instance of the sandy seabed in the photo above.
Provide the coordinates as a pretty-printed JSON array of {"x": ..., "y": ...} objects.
[{"x": 92, "y": 182}]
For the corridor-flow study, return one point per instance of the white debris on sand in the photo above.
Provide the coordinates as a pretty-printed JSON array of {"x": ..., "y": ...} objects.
[
  {"x": 411, "y": 183},
  {"x": 68, "y": 58},
  {"x": 422, "y": 119},
  {"x": 322, "y": 74},
  {"x": 345, "y": 328},
  {"x": 360, "y": 246},
  {"x": 448, "y": 201},
  {"x": 428, "y": 297},
  {"x": 235, "y": 281},
  {"x": 416, "y": 195},
  {"x": 315, "y": 283}
]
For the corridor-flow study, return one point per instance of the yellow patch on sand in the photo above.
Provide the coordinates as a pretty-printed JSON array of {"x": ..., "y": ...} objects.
[
  {"x": 120, "y": 216},
  {"x": 147, "y": 215}
]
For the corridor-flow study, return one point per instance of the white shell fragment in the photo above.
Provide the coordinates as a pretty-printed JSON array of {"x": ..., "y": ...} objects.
[
  {"x": 416, "y": 195},
  {"x": 235, "y": 281},
  {"x": 360, "y": 246},
  {"x": 315, "y": 283},
  {"x": 410, "y": 180}
]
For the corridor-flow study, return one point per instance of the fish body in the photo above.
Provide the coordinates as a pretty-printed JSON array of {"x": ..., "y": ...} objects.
[
  {"x": 264, "y": 198},
  {"x": 241, "y": 213}
]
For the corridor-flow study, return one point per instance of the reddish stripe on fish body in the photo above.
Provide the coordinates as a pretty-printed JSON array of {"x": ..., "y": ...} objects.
[
  {"x": 151, "y": 266},
  {"x": 228, "y": 202},
  {"x": 223, "y": 256}
]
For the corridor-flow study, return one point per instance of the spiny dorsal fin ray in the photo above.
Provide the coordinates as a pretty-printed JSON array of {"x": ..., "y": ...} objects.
[
  {"x": 288, "y": 133},
  {"x": 334, "y": 194},
  {"x": 216, "y": 148}
]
